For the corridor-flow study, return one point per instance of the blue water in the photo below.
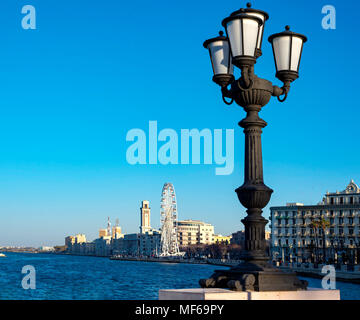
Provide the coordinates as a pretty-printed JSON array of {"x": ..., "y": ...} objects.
[{"x": 80, "y": 277}]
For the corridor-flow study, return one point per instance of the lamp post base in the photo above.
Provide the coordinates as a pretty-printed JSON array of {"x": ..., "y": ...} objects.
[{"x": 257, "y": 276}]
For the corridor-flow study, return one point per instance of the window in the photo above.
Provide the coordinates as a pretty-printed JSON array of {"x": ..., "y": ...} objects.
[
  {"x": 331, "y": 200},
  {"x": 341, "y": 200},
  {"x": 351, "y": 200}
]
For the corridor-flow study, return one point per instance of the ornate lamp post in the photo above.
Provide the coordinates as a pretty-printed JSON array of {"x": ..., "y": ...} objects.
[{"x": 241, "y": 48}]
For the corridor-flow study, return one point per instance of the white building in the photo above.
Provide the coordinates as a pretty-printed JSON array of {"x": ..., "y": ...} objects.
[
  {"x": 194, "y": 232},
  {"x": 293, "y": 235}
]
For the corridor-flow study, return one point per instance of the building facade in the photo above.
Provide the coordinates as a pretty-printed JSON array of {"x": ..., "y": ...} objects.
[
  {"x": 103, "y": 233},
  {"x": 220, "y": 239},
  {"x": 69, "y": 241},
  {"x": 295, "y": 238},
  {"x": 239, "y": 237},
  {"x": 191, "y": 232},
  {"x": 116, "y": 232}
]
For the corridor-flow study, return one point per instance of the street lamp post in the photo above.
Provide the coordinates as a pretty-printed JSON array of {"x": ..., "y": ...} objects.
[{"x": 241, "y": 47}]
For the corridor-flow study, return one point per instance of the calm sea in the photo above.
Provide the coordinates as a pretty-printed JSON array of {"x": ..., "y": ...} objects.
[{"x": 80, "y": 277}]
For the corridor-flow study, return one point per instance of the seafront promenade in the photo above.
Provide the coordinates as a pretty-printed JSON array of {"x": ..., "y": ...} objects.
[
  {"x": 315, "y": 272},
  {"x": 306, "y": 270}
]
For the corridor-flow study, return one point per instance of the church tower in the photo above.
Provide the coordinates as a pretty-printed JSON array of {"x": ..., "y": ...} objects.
[{"x": 145, "y": 217}]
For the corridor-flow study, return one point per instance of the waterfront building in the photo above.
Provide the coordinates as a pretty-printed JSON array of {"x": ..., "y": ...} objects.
[
  {"x": 295, "y": 238},
  {"x": 239, "y": 237},
  {"x": 69, "y": 241},
  {"x": 46, "y": 248},
  {"x": 145, "y": 217},
  {"x": 220, "y": 239},
  {"x": 127, "y": 245},
  {"x": 150, "y": 243},
  {"x": 80, "y": 238},
  {"x": 76, "y": 244},
  {"x": 103, "y": 233},
  {"x": 103, "y": 246},
  {"x": 88, "y": 248},
  {"x": 116, "y": 232},
  {"x": 191, "y": 232}
]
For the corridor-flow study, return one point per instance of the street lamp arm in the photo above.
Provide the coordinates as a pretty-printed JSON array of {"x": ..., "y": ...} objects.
[
  {"x": 226, "y": 94},
  {"x": 284, "y": 90}
]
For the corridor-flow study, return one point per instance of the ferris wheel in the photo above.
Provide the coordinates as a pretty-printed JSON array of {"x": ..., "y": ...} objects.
[{"x": 168, "y": 220}]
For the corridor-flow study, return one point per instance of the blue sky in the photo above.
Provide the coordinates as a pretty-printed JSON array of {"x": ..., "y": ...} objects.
[{"x": 92, "y": 70}]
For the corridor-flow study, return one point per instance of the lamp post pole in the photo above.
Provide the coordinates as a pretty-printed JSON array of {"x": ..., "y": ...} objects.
[{"x": 241, "y": 48}]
